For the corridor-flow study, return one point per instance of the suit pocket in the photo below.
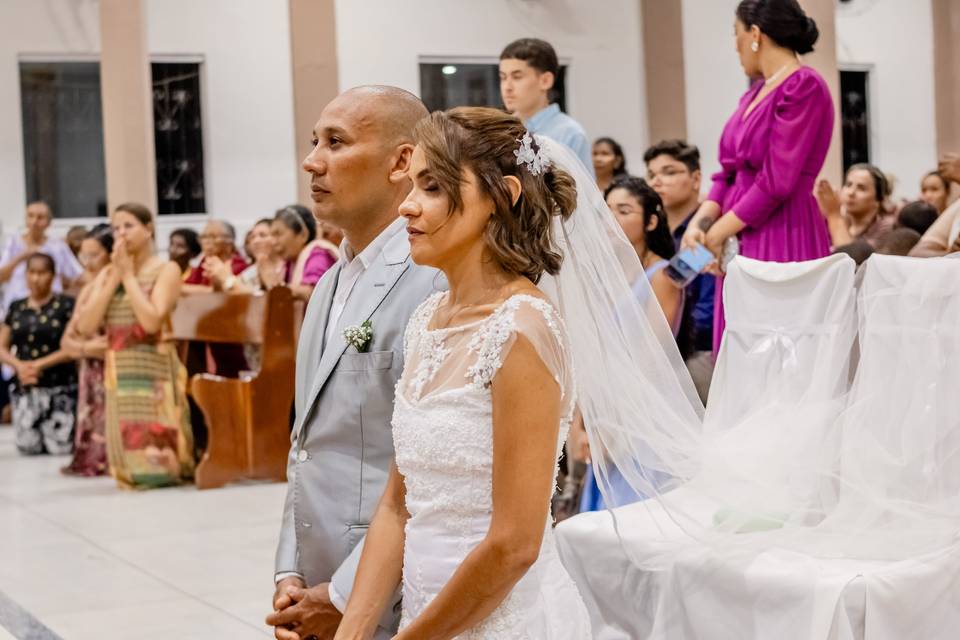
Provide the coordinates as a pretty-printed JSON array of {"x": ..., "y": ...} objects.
[
  {"x": 373, "y": 361},
  {"x": 355, "y": 533}
]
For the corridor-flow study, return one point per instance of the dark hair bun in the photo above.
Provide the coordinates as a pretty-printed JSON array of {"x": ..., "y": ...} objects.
[
  {"x": 805, "y": 40},
  {"x": 783, "y": 21}
]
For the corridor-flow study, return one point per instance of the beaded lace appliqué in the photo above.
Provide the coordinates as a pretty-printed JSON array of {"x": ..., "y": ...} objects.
[{"x": 488, "y": 342}]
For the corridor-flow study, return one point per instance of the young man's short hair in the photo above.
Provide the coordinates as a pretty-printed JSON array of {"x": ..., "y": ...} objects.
[
  {"x": 539, "y": 54},
  {"x": 679, "y": 150}
]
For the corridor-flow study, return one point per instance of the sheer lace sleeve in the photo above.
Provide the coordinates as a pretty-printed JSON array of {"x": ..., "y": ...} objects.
[
  {"x": 467, "y": 358},
  {"x": 539, "y": 323}
]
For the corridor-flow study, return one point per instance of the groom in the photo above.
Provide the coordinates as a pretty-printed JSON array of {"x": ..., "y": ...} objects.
[{"x": 342, "y": 444}]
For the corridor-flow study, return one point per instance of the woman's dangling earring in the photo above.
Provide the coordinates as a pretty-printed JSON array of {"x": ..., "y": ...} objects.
[{"x": 755, "y": 46}]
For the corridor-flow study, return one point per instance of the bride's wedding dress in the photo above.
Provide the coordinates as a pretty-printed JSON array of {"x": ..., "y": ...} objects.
[{"x": 443, "y": 433}]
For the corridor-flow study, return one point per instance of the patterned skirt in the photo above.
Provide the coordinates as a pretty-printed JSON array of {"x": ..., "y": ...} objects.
[
  {"x": 149, "y": 439},
  {"x": 43, "y": 418},
  {"x": 90, "y": 444}
]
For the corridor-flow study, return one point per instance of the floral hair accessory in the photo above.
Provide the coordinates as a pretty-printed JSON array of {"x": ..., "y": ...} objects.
[{"x": 529, "y": 157}]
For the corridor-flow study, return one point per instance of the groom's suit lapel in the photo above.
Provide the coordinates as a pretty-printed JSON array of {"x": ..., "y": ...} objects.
[{"x": 369, "y": 292}]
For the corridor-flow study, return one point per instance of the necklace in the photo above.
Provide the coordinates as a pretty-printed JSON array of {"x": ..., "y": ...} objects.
[{"x": 776, "y": 74}]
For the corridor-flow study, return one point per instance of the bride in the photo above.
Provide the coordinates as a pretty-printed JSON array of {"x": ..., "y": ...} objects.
[{"x": 484, "y": 402}]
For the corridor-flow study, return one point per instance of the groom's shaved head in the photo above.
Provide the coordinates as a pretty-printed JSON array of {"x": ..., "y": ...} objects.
[
  {"x": 363, "y": 143},
  {"x": 395, "y": 110}
]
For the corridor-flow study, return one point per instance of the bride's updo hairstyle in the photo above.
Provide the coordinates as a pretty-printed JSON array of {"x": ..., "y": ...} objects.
[{"x": 519, "y": 236}]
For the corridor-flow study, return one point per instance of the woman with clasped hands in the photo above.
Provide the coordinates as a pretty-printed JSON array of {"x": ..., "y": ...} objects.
[
  {"x": 149, "y": 440},
  {"x": 772, "y": 148}
]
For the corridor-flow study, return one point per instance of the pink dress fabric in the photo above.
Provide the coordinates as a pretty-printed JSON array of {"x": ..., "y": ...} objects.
[{"x": 769, "y": 161}]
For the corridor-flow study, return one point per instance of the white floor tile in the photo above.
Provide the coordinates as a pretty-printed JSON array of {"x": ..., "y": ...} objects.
[
  {"x": 183, "y": 619},
  {"x": 90, "y": 560}
]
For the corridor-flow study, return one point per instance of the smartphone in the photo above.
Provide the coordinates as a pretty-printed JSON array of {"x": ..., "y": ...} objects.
[{"x": 687, "y": 264}]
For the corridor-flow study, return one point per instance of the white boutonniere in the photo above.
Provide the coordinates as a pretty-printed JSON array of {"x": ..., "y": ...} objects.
[{"x": 359, "y": 337}]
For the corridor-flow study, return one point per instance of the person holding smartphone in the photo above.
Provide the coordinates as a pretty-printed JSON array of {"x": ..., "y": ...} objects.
[{"x": 639, "y": 210}]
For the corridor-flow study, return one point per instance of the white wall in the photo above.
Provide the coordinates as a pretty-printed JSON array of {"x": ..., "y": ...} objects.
[
  {"x": 714, "y": 78},
  {"x": 249, "y": 155},
  {"x": 247, "y": 83},
  {"x": 381, "y": 41},
  {"x": 55, "y": 27},
  {"x": 895, "y": 39}
]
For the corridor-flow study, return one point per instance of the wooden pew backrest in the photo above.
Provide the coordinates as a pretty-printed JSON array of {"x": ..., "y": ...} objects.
[{"x": 247, "y": 419}]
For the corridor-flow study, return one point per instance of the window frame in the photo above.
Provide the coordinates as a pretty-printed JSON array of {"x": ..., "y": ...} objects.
[
  {"x": 873, "y": 108},
  {"x": 563, "y": 61},
  {"x": 194, "y": 219}
]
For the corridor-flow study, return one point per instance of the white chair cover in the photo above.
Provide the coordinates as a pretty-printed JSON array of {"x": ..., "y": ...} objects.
[
  {"x": 884, "y": 561},
  {"x": 788, "y": 345}
]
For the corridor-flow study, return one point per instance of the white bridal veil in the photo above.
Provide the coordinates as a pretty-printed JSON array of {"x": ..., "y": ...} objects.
[{"x": 793, "y": 453}]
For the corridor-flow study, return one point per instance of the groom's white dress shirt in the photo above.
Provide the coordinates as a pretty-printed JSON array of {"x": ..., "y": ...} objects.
[{"x": 352, "y": 267}]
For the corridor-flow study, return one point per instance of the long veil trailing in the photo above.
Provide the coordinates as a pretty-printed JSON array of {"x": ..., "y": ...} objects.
[{"x": 815, "y": 465}]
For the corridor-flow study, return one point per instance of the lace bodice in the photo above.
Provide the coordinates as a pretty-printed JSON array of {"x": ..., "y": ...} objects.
[{"x": 443, "y": 435}]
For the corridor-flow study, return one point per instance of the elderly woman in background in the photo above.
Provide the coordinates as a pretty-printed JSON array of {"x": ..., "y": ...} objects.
[
  {"x": 149, "y": 439},
  {"x": 772, "y": 148},
  {"x": 218, "y": 241},
  {"x": 860, "y": 212},
  {"x": 268, "y": 268},
  {"x": 90, "y": 443},
  {"x": 44, "y": 394},
  {"x": 19, "y": 247},
  {"x": 308, "y": 257}
]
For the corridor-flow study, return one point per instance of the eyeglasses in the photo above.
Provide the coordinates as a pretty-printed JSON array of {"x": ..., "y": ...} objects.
[
  {"x": 667, "y": 174},
  {"x": 213, "y": 236}
]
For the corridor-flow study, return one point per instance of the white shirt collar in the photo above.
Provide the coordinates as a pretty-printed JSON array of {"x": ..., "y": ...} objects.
[{"x": 372, "y": 250}]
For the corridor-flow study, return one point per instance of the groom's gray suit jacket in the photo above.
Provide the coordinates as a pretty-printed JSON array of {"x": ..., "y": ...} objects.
[{"x": 342, "y": 444}]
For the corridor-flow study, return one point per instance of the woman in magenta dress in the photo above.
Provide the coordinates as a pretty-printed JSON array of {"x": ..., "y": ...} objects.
[{"x": 772, "y": 148}]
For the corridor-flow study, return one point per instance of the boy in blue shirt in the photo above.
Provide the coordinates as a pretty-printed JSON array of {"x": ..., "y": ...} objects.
[{"x": 528, "y": 70}]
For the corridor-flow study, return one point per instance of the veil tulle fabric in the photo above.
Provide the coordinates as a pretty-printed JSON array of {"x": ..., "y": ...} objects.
[{"x": 824, "y": 472}]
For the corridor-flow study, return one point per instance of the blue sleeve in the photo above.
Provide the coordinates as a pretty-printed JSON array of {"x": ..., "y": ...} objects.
[
  {"x": 584, "y": 150},
  {"x": 703, "y": 306}
]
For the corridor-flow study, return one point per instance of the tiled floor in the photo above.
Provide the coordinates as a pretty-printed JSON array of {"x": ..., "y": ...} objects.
[{"x": 93, "y": 562}]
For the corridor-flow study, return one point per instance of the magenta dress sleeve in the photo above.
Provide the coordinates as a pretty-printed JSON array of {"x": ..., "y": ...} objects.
[
  {"x": 724, "y": 178},
  {"x": 726, "y": 151},
  {"x": 317, "y": 264},
  {"x": 802, "y": 106}
]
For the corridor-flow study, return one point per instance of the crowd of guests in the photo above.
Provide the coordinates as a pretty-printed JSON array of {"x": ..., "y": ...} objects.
[
  {"x": 87, "y": 367},
  {"x": 858, "y": 218},
  {"x": 765, "y": 201}
]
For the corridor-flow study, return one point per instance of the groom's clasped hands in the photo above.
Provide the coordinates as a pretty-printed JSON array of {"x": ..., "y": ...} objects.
[{"x": 301, "y": 613}]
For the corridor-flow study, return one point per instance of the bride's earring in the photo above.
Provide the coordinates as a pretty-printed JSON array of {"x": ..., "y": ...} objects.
[{"x": 755, "y": 46}]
